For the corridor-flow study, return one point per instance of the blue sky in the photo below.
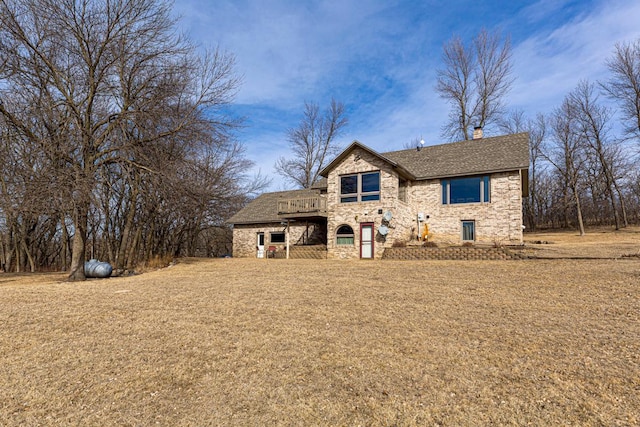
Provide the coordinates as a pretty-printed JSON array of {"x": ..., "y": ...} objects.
[{"x": 380, "y": 59}]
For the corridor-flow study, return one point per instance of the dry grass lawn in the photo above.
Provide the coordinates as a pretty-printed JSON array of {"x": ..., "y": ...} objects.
[
  {"x": 315, "y": 343},
  {"x": 600, "y": 242}
]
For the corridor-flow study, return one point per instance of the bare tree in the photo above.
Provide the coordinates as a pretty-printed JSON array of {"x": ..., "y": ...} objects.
[
  {"x": 565, "y": 152},
  {"x": 415, "y": 143},
  {"x": 96, "y": 82},
  {"x": 624, "y": 84},
  {"x": 634, "y": 191},
  {"x": 594, "y": 123},
  {"x": 516, "y": 122},
  {"x": 312, "y": 143},
  {"x": 474, "y": 81}
]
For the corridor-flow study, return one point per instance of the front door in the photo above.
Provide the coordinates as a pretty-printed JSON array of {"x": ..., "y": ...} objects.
[
  {"x": 366, "y": 240},
  {"x": 260, "y": 245}
]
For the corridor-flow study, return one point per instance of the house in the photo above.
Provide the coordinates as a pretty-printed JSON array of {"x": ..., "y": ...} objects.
[{"x": 468, "y": 191}]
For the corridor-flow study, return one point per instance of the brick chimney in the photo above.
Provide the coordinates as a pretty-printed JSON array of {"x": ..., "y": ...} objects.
[{"x": 477, "y": 132}]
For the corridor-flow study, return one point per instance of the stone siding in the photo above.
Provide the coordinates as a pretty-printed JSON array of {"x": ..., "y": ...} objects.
[
  {"x": 245, "y": 237},
  {"x": 357, "y": 213},
  {"x": 497, "y": 221}
]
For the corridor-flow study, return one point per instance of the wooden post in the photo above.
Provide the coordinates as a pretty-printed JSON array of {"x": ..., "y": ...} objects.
[{"x": 287, "y": 239}]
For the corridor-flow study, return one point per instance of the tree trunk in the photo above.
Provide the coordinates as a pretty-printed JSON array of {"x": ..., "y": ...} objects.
[
  {"x": 121, "y": 255},
  {"x": 567, "y": 221},
  {"x": 131, "y": 257},
  {"x": 579, "y": 212},
  {"x": 2, "y": 257},
  {"x": 616, "y": 215},
  {"x": 79, "y": 242},
  {"x": 32, "y": 266},
  {"x": 623, "y": 207},
  {"x": 65, "y": 243},
  {"x": 7, "y": 252}
]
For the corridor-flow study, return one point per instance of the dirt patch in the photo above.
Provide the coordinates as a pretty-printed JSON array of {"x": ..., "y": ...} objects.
[{"x": 308, "y": 342}]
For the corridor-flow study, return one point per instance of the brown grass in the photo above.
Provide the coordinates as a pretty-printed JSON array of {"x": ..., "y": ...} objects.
[
  {"x": 297, "y": 342},
  {"x": 601, "y": 242}
]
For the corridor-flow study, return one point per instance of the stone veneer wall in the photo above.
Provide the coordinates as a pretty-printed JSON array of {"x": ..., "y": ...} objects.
[
  {"x": 355, "y": 214},
  {"x": 245, "y": 237},
  {"x": 499, "y": 221}
]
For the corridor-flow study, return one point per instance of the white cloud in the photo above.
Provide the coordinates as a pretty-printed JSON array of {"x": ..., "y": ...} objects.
[
  {"x": 549, "y": 64},
  {"x": 283, "y": 48},
  {"x": 380, "y": 58}
]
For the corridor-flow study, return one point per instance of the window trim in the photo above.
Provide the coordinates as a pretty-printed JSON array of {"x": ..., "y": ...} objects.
[
  {"x": 360, "y": 195},
  {"x": 485, "y": 189}
]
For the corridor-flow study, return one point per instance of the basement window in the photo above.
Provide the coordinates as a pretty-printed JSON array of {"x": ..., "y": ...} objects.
[
  {"x": 468, "y": 231},
  {"x": 344, "y": 235},
  {"x": 277, "y": 237}
]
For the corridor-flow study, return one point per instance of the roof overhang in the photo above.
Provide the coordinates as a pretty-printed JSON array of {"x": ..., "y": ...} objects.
[{"x": 472, "y": 173}]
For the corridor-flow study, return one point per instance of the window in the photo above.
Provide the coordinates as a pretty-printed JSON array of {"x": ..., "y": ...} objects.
[
  {"x": 473, "y": 189},
  {"x": 349, "y": 188},
  {"x": 361, "y": 187},
  {"x": 468, "y": 231},
  {"x": 277, "y": 237},
  {"x": 402, "y": 190},
  {"x": 344, "y": 235}
]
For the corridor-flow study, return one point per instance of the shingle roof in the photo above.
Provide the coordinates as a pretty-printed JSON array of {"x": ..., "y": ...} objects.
[
  {"x": 264, "y": 208},
  {"x": 357, "y": 144},
  {"x": 320, "y": 184},
  {"x": 486, "y": 155}
]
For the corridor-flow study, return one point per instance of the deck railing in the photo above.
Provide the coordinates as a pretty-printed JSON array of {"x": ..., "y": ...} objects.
[{"x": 302, "y": 205}]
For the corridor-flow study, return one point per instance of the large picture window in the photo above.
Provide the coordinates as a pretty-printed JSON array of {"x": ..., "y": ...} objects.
[
  {"x": 360, "y": 187},
  {"x": 344, "y": 235},
  {"x": 473, "y": 189}
]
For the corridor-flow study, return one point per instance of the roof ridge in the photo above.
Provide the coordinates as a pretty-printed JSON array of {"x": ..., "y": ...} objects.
[{"x": 464, "y": 141}]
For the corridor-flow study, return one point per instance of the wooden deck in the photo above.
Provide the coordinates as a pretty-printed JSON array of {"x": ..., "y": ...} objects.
[{"x": 303, "y": 206}]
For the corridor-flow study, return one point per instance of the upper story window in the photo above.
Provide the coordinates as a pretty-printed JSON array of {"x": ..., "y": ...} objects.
[
  {"x": 473, "y": 189},
  {"x": 360, "y": 187}
]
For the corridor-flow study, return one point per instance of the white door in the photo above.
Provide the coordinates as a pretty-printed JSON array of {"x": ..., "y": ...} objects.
[
  {"x": 366, "y": 241},
  {"x": 260, "y": 245}
]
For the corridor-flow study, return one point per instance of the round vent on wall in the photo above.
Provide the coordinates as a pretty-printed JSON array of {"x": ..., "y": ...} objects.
[{"x": 383, "y": 230}]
